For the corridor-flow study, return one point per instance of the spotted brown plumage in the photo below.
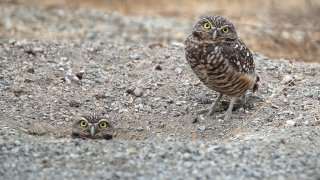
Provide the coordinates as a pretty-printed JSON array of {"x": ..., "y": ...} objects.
[
  {"x": 221, "y": 60},
  {"x": 92, "y": 126}
]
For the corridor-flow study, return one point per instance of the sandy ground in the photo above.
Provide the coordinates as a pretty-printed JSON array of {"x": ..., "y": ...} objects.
[{"x": 157, "y": 134}]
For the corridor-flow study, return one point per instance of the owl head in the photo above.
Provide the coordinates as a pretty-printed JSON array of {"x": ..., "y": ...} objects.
[
  {"x": 214, "y": 28},
  {"x": 92, "y": 126}
]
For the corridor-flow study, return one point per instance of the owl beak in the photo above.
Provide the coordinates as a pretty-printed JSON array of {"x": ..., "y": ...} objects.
[
  {"x": 214, "y": 33},
  {"x": 92, "y": 130}
]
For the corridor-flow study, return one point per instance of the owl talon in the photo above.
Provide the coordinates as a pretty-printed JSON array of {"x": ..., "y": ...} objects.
[
  {"x": 202, "y": 111},
  {"x": 211, "y": 111},
  {"x": 225, "y": 117}
]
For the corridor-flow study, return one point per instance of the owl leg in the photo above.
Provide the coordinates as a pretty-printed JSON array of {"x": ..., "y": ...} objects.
[
  {"x": 211, "y": 110},
  {"x": 213, "y": 106},
  {"x": 226, "y": 116}
]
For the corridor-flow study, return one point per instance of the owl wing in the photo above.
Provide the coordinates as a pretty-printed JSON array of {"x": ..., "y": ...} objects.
[{"x": 239, "y": 57}]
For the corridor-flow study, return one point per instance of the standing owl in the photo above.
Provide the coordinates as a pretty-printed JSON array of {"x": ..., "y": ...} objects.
[
  {"x": 221, "y": 60},
  {"x": 93, "y": 126}
]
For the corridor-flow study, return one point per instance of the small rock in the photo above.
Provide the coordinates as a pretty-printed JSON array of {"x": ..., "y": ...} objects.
[
  {"x": 12, "y": 41},
  {"x": 169, "y": 139},
  {"x": 74, "y": 103},
  {"x": 178, "y": 70},
  {"x": 123, "y": 110},
  {"x": 63, "y": 59},
  {"x": 137, "y": 92},
  {"x": 177, "y": 44},
  {"x": 139, "y": 128},
  {"x": 290, "y": 123},
  {"x": 202, "y": 128},
  {"x": 21, "y": 43},
  {"x": 98, "y": 80},
  {"x": 131, "y": 151},
  {"x": 177, "y": 114},
  {"x": 38, "y": 50},
  {"x": 100, "y": 96},
  {"x": 158, "y": 67},
  {"x": 31, "y": 70},
  {"x": 70, "y": 77},
  {"x": 164, "y": 56},
  {"x": 6, "y": 82},
  {"x": 178, "y": 103},
  {"x": 195, "y": 120},
  {"x": 288, "y": 80},
  {"x": 135, "y": 56},
  {"x": 27, "y": 80},
  {"x": 138, "y": 106},
  {"x": 29, "y": 50},
  {"x": 275, "y": 106},
  {"x": 80, "y": 75}
]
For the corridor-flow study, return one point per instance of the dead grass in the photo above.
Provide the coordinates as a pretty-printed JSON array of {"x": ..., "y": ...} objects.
[{"x": 280, "y": 29}]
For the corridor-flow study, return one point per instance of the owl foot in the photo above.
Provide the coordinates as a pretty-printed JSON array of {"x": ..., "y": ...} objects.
[
  {"x": 208, "y": 111},
  {"x": 202, "y": 111},
  {"x": 212, "y": 109},
  {"x": 225, "y": 117}
]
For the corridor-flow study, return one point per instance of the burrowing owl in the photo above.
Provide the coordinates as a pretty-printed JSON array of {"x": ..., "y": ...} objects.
[
  {"x": 221, "y": 60},
  {"x": 93, "y": 126}
]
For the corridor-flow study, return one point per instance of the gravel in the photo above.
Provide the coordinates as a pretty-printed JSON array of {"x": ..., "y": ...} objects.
[{"x": 146, "y": 88}]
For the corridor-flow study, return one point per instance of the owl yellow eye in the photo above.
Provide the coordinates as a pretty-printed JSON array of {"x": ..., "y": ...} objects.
[
  {"x": 83, "y": 123},
  {"x": 225, "y": 30},
  {"x": 207, "y": 25},
  {"x": 103, "y": 125}
]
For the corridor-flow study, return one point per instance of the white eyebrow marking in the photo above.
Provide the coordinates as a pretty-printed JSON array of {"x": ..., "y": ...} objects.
[{"x": 208, "y": 22}]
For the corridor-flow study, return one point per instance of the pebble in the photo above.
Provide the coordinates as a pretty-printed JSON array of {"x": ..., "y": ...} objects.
[
  {"x": 139, "y": 106},
  {"x": 290, "y": 123},
  {"x": 74, "y": 103},
  {"x": 275, "y": 106},
  {"x": 12, "y": 41},
  {"x": 123, "y": 110},
  {"x": 158, "y": 67},
  {"x": 138, "y": 92},
  {"x": 6, "y": 82},
  {"x": 178, "y": 70},
  {"x": 71, "y": 77},
  {"x": 38, "y": 50},
  {"x": 178, "y": 103},
  {"x": 202, "y": 128},
  {"x": 21, "y": 43},
  {"x": 288, "y": 80},
  {"x": 140, "y": 128},
  {"x": 135, "y": 56},
  {"x": 31, "y": 70}
]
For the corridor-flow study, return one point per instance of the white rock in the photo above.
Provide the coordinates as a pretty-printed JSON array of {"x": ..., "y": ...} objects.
[
  {"x": 287, "y": 79},
  {"x": 202, "y": 128},
  {"x": 290, "y": 123}
]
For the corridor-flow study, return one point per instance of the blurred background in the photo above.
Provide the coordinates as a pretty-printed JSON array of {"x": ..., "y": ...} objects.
[{"x": 279, "y": 29}]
